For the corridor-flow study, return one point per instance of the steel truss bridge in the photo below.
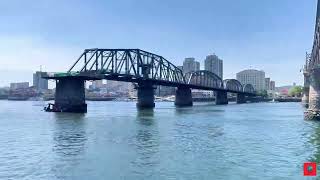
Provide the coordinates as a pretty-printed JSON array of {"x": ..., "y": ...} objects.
[
  {"x": 313, "y": 59},
  {"x": 311, "y": 71},
  {"x": 138, "y": 66}
]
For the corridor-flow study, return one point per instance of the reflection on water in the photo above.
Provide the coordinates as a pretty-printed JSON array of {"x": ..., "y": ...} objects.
[
  {"x": 147, "y": 140},
  {"x": 198, "y": 109},
  {"x": 315, "y": 141},
  {"x": 69, "y": 135},
  {"x": 145, "y": 116},
  {"x": 69, "y": 139},
  {"x": 182, "y": 110}
]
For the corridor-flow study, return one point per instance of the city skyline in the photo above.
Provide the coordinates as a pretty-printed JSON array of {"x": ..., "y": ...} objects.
[
  {"x": 52, "y": 83},
  {"x": 35, "y": 35}
]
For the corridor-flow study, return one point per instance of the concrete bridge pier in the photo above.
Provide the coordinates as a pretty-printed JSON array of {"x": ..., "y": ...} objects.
[
  {"x": 183, "y": 97},
  {"x": 241, "y": 98},
  {"x": 306, "y": 89},
  {"x": 70, "y": 96},
  {"x": 313, "y": 112},
  {"x": 221, "y": 97},
  {"x": 145, "y": 92}
]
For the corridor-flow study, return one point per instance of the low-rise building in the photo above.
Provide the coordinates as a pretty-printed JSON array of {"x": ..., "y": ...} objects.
[
  {"x": 267, "y": 83},
  {"x": 19, "y": 85},
  {"x": 272, "y": 85}
]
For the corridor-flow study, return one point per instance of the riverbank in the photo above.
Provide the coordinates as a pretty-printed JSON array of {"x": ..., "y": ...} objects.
[{"x": 288, "y": 99}]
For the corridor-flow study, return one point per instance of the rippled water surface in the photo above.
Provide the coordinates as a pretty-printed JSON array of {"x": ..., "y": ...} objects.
[{"x": 116, "y": 141}]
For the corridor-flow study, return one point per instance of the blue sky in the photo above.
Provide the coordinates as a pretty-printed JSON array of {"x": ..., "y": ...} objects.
[{"x": 272, "y": 35}]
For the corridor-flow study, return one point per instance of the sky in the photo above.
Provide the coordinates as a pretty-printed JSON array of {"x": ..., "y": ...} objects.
[{"x": 269, "y": 35}]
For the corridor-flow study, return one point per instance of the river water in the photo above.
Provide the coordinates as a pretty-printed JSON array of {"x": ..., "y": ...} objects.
[{"x": 114, "y": 141}]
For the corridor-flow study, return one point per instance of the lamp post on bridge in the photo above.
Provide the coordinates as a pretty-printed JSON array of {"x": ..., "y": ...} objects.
[{"x": 306, "y": 87}]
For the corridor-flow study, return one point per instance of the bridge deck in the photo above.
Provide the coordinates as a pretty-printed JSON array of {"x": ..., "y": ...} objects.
[{"x": 93, "y": 75}]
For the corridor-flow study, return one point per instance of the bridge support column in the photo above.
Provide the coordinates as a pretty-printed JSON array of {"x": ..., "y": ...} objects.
[
  {"x": 145, "y": 95},
  {"x": 241, "y": 98},
  {"x": 306, "y": 89},
  {"x": 70, "y": 96},
  {"x": 313, "y": 112},
  {"x": 183, "y": 97},
  {"x": 221, "y": 97}
]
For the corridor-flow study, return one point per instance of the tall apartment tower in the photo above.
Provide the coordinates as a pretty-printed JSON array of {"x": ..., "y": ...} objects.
[
  {"x": 180, "y": 67},
  {"x": 214, "y": 64},
  {"x": 190, "y": 64},
  {"x": 197, "y": 66},
  {"x": 38, "y": 82}
]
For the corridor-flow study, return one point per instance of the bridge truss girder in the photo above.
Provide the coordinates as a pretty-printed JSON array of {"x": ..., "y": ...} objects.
[
  {"x": 248, "y": 88},
  {"x": 138, "y": 66},
  {"x": 233, "y": 85},
  {"x": 204, "y": 78},
  {"x": 127, "y": 62}
]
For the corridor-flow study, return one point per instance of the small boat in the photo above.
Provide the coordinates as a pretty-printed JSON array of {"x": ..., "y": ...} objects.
[{"x": 51, "y": 108}]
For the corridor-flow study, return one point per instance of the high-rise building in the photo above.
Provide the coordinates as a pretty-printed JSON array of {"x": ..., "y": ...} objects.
[
  {"x": 197, "y": 66},
  {"x": 272, "y": 85},
  {"x": 267, "y": 83},
  {"x": 213, "y": 64},
  {"x": 38, "y": 82},
  {"x": 190, "y": 64},
  {"x": 254, "y": 77}
]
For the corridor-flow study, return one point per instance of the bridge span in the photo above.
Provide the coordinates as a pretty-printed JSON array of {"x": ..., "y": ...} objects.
[
  {"x": 143, "y": 68},
  {"x": 311, "y": 98}
]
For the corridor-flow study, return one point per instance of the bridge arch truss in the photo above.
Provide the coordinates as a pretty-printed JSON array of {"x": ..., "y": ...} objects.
[
  {"x": 248, "y": 88},
  {"x": 127, "y": 62},
  {"x": 204, "y": 78},
  {"x": 233, "y": 85}
]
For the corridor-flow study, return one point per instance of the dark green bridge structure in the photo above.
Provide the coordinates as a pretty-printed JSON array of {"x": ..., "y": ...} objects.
[{"x": 146, "y": 70}]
